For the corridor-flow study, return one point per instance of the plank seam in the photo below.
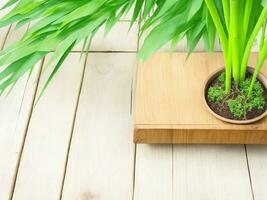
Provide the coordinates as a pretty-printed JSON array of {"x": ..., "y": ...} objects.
[
  {"x": 249, "y": 173},
  {"x": 72, "y": 128},
  {"x": 5, "y": 39},
  {"x": 26, "y": 130},
  {"x": 134, "y": 163}
]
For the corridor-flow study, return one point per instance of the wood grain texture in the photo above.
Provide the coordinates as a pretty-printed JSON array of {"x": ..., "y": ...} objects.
[
  {"x": 42, "y": 164},
  {"x": 257, "y": 158},
  {"x": 169, "y": 105},
  {"x": 101, "y": 160},
  {"x": 15, "y": 109},
  {"x": 153, "y": 172},
  {"x": 210, "y": 172}
]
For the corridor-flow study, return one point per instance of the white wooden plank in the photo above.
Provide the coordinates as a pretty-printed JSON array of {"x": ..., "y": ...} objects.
[
  {"x": 8, "y": 37},
  {"x": 43, "y": 160},
  {"x": 15, "y": 111},
  {"x": 101, "y": 158},
  {"x": 153, "y": 172},
  {"x": 15, "y": 34},
  {"x": 118, "y": 39},
  {"x": 257, "y": 158},
  {"x": 210, "y": 172}
]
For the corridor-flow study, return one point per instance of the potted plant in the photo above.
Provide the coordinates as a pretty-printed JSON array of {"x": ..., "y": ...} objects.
[{"x": 236, "y": 93}]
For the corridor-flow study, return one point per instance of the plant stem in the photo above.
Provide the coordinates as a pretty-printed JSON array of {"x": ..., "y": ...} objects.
[
  {"x": 228, "y": 69},
  {"x": 248, "y": 8},
  {"x": 226, "y": 12},
  {"x": 250, "y": 42},
  {"x": 217, "y": 22},
  {"x": 261, "y": 59},
  {"x": 224, "y": 41},
  {"x": 263, "y": 29},
  {"x": 233, "y": 38}
]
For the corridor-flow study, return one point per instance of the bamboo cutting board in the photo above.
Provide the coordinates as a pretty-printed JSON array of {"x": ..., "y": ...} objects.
[{"x": 169, "y": 106}]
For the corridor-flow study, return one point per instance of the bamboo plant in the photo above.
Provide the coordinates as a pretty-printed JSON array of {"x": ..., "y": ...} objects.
[{"x": 58, "y": 25}]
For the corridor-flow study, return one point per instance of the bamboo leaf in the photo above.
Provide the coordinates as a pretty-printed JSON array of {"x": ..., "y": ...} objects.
[{"x": 58, "y": 65}]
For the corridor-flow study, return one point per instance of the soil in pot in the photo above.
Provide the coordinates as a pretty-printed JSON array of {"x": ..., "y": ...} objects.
[{"x": 236, "y": 105}]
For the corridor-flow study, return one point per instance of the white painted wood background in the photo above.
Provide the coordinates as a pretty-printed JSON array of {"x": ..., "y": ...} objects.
[{"x": 77, "y": 142}]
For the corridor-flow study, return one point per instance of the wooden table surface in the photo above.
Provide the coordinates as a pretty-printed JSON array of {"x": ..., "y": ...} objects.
[
  {"x": 169, "y": 103},
  {"x": 77, "y": 142}
]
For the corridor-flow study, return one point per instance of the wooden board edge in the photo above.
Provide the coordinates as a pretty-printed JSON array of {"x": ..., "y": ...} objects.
[{"x": 176, "y": 136}]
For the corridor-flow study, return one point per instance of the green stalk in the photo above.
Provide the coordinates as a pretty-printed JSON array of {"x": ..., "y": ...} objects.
[
  {"x": 247, "y": 13},
  {"x": 263, "y": 34},
  {"x": 223, "y": 39},
  {"x": 260, "y": 62},
  {"x": 216, "y": 19},
  {"x": 228, "y": 69},
  {"x": 250, "y": 42},
  {"x": 233, "y": 38},
  {"x": 226, "y": 8}
]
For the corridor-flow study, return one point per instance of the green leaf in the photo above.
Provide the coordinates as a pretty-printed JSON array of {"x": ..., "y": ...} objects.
[
  {"x": 9, "y": 3},
  {"x": 61, "y": 60}
]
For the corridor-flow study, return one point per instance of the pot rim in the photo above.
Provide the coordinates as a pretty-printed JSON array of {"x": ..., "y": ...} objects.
[{"x": 211, "y": 77}]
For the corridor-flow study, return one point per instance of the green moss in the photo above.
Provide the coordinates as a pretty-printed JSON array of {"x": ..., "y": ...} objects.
[
  {"x": 244, "y": 86},
  {"x": 257, "y": 102},
  {"x": 221, "y": 78},
  {"x": 240, "y": 105},
  {"x": 257, "y": 90},
  {"x": 236, "y": 106},
  {"x": 256, "y": 99},
  {"x": 216, "y": 94}
]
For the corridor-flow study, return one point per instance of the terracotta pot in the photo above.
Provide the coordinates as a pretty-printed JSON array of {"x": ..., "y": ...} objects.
[{"x": 214, "y": 75}]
